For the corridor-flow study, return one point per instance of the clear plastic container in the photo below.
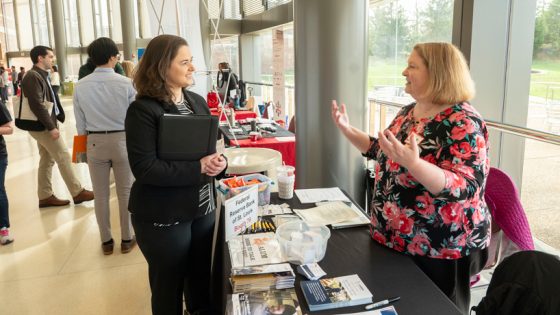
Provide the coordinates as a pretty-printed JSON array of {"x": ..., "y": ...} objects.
[
  {"x": 302, "y": 243},
  {"x": 264, "y": 188}
]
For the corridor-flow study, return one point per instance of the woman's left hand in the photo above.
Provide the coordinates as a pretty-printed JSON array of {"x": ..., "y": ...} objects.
[
  {"x": 216, "y": 166},
  {"x": 406, "y": 155}
]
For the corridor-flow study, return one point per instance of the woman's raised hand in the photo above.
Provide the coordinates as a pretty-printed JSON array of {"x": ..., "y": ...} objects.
[
  {"x": 404, "y": 154},
  {"x": 340, "y": 117}
]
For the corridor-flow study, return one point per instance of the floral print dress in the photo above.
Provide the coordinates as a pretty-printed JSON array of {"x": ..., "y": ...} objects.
[{"x": 410, "y": 219}]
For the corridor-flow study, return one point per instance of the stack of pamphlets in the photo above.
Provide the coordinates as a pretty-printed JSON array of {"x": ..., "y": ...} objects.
[
  {"x": 254, "y": 249},
  {"x": 263, "y": 302},
  {"x": 260, "y": 278},
  {"x": 335, "y": 292}
]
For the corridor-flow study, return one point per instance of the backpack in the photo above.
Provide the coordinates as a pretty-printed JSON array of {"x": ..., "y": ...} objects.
[{"x": 526, "y": 282}]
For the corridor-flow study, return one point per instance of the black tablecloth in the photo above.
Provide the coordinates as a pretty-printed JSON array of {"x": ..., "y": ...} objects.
[{"x": 385, "y": 272}]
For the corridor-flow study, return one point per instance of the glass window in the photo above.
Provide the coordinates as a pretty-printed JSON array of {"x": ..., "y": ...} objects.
[
  {"x": 541, "y": 159},
  {"x": 225, "y": 50},
  {"x": 213, "y": 9},
  {"x": 21, "y": 62},
  {"x": 395, "y": 26},
  {"x": 24, "y": 24},
  {"x": 266, "y": 57},
  {"x": 101, "y": 18},
  {"x": 73, "y": 63},
  {"x": 71, "y": 23},
  {"x": 251, "y": 7},
  {"x": 40, "y": 22},
  {"x": 9, "y": 25},
  {"x": 274, "y": 3},
  {"x": 116, "y": 21},
  {"x": 162, "y": 18},
  {"x": 544, "y": 96},
  {"x": 232, "y": 10},
  {"x": 86, "y": 17}
]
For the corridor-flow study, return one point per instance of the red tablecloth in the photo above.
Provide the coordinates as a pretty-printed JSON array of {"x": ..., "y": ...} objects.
[
  {"x": 287, "y": 148},
  {"x": 239, "y": 114}
]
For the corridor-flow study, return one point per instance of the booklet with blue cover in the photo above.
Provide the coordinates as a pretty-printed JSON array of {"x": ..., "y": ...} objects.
[{"x": 335, "y": 292}]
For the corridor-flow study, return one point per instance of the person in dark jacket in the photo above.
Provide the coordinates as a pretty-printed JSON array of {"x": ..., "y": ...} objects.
[
  {"x": 227, "y": 81},
  {"x": 172, "y": 202},
  {"x": 525, "y": 283},
  {"x": 35, "y": 86}
]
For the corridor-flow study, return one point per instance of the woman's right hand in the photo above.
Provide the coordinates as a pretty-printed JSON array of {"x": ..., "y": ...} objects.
[
  {"x": 205, "y": 162},
  {"x": 340, "y": 117}
]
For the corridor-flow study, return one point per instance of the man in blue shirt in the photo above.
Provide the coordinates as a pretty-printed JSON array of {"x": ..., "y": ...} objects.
[{"x": 100, "y": 103}]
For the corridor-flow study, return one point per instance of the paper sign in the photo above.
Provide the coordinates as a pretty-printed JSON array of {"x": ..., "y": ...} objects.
[
  {"x": 241, "y": 211},
  {"x": 220, "y": 146}
]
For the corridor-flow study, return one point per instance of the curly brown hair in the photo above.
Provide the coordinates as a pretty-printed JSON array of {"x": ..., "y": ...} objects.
[{"x": 151, "y": 73}]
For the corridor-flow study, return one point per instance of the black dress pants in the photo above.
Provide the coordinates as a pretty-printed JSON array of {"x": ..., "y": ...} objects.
[
  {"x": 179, "y": 259},
  {"x": 453, "y": 277}
]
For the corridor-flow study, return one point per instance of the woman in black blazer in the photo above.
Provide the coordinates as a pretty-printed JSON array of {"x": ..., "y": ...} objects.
[{"x": 172, "y": 202}]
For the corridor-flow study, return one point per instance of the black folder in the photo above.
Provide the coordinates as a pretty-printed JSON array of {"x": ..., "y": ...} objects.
[{"x": 187, "y": 137}]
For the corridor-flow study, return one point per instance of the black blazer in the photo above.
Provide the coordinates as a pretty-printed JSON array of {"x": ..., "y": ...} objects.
[{"x": 164, "y": 191}]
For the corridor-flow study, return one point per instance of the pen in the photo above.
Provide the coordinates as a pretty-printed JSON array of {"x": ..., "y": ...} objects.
[{"x": 382, "y": 303}]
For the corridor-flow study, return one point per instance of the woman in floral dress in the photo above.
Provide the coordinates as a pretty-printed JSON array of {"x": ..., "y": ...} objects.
[{"x": 432, "y": 164}]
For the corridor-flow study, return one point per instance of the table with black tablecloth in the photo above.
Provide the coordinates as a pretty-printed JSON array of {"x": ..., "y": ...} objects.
[{"x": 385, "y": 272}]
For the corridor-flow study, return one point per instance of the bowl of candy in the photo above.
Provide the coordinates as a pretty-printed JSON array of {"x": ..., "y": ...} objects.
[{"x": 233, "y": 186}]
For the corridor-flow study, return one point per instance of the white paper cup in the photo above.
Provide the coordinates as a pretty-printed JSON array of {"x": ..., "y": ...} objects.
[
  {"x": 285, "y": 170},
  {"x": 286, "y": 187}
]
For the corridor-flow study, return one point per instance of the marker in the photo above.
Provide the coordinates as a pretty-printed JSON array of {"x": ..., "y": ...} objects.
[{"x": 382, "y": 303}]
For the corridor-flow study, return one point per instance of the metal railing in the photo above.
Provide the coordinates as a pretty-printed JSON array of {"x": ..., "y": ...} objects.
[
  {"x": 507, "y": 128},
  {"x": 266, "y": 92}
]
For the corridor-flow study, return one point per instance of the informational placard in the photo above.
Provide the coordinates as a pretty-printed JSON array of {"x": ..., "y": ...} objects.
[
  {"x": 241, "y": 211},
  {"x": 278, "y": 86}
]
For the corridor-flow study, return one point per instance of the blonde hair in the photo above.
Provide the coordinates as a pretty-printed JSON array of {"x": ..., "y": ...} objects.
[
  {"x": 128, "y": 67},
  {"x": 449, "y": 79}
]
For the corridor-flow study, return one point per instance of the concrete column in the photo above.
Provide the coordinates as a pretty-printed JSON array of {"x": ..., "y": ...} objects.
[
  {"x": 128, "y": 33},
  {"x": 59, "y": 37},
  {"x": 330, "y": 63}
]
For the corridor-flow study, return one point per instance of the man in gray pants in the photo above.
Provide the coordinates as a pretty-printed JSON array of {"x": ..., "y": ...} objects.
[{"x": 100, "y": 103}]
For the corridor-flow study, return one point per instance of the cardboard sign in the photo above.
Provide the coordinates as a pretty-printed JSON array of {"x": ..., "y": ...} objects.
[{"x": 241, "y": 211}]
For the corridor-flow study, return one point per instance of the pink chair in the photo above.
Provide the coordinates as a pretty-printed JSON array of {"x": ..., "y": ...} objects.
[{"x": 502, "y": 198}]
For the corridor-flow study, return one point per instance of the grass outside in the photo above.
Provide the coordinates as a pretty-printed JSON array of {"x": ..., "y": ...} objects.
[
  {"x": 545, "y": 79},
  {"x": 386, "y": 72}
]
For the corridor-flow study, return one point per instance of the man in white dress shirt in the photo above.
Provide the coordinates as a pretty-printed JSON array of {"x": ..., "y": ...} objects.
[{"x": 100, "y": 103}]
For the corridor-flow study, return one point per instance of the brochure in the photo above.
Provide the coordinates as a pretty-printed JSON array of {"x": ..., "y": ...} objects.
[
  {"x": 360, "y": 220},
  {"x": 263, "y": 302},
  {"x": 320, "y": 194},
  {"x": 254, "y": 249},
  {"x": 335, "y": 292},
  {"x": 265, "y": 277},
  {"x": 327, "y": 213}
]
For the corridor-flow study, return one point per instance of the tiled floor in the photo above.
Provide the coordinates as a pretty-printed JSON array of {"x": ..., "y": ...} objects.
[{"x": 55, "y": 266}]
